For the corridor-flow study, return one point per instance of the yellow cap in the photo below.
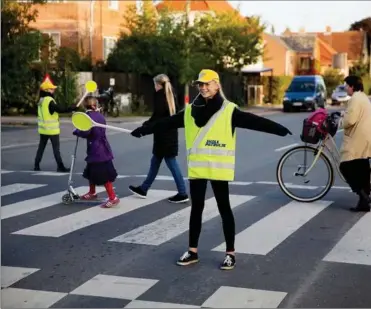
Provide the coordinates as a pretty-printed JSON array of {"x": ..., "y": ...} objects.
[
  {"x": 47, "y": 83},
  {"x": 207, "y": 76}
]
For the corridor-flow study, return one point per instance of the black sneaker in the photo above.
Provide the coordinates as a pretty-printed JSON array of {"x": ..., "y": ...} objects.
[
  {"x": 37, "y": 168},
  {"x": 179, "y": 198},
  {"x": 63, "y": 170},
  {"x": 188, "y": 258},
  {"x": 229, "y": 262},
  {"x": 138, "y": 191}
]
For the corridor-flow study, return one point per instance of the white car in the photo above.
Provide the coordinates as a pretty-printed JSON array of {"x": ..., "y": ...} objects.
[{"x": 339, "y": 96}]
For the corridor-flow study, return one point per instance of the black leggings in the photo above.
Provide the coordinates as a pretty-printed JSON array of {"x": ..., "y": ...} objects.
[
  {"x": 357, "y": 174},
  {"x": 221, "y": 193}
]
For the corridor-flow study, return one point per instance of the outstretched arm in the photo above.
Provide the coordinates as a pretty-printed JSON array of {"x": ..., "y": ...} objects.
[
  {"x": 250, "y": 121},
  {"x": 173, "y": 122},
  {"x": 82, "y": 134}
]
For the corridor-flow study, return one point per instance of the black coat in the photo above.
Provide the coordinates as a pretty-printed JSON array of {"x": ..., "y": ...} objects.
[{"x": 165, "y": 144}]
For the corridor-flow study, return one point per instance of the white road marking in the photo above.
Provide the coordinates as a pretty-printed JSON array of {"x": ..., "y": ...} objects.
[
  {"x": 115, "y": 287},
  {"x": 267, "y": 182},
  {"x": 231, "y": 297},
  {"x": 6, "y": 172},
  {"x": 49, "y": 174},
  {"x": 11, "y": 275},
  {"x": 355, "y": 246},
  {"x": 22, "y": 298},
  {"x": 76, "y": 221},
  {"x": 175, "y": 224},
  {"x": 286, "y": 147},
  {"x": 19, "y": 187},
  {"x": 266, "y": 234},
  {"x": 155, "y": 304},
  {"x": 38, "y": 203}
]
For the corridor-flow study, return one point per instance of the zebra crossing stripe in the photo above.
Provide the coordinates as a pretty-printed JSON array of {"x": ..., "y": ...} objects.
[
  {"x": 49, "y": 174},
  {"x": 266, "y": 234},
  {"x": 23, "y": 298},
  {"x": 173, "y": 225},
  {"x": 355, "y": 246},
  {"x": 38, "y": 203},
  {"x": 11, "y": 275},
  {"x": 76, "y": 221},
  {"x": 19, "y": 187}
]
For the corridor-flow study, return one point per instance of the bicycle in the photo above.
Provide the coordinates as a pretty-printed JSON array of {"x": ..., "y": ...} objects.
[
  {"x": 108, "y": 103},
  {"x": 325, "y": 151}
]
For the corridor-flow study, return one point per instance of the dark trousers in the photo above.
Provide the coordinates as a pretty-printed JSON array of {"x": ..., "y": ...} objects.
[
  {"x": 357, "y": 174},
  {"x": 221, "y": 193},
  {"x": 56, "y": 149}
]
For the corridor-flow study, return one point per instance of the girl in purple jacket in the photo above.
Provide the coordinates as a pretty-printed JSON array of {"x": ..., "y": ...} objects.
[{"x": 99, "y": 169}]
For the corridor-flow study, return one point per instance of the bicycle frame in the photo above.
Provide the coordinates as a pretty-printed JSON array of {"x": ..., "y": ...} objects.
[{"x": 328, "y": 144}]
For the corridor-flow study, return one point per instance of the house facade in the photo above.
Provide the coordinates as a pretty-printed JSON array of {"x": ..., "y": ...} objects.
[
  {"x": 340, "y": 50},
  {"x": 90, "y": 27}
]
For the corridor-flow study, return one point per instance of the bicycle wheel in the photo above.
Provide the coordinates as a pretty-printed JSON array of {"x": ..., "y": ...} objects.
[{"x": 323, "y": 163}]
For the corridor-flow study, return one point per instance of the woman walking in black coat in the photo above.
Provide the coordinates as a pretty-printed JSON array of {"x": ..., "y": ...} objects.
[{"x": 165, "y": 144}]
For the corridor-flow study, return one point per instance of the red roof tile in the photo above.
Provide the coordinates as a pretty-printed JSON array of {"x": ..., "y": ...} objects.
[
  {"x": 350, "y": 42},
  {"x": 219, "y": 6}
]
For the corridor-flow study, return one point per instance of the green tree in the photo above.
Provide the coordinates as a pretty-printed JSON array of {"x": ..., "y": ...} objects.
[
  {"x": 231, "y": 41},
  {"x": 332, "y": 78},
  {"x": 20, "y": 46},
  {"x": 156, "y": 43},
  {"x": 364, "y": 24}
]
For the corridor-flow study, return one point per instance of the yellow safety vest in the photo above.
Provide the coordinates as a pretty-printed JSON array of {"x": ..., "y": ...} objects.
[
  {"x": 48, "y": 124},
  {"x": 211, "y": 149}
]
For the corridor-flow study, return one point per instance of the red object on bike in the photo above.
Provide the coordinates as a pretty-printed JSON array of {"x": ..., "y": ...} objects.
[{"x": 314, "y": 126}]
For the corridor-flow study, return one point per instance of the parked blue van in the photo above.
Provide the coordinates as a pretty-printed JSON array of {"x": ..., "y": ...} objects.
[{"x": 305, "y": 92}]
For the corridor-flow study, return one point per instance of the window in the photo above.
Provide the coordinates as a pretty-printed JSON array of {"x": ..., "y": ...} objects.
[
  {"x": 113, "y": 4},
  {"x": 56, "y": 38},
  {"x": 56, "y": 43},
  {"x": 108, "y": 44},
  {"x": 304, "y": 64}
]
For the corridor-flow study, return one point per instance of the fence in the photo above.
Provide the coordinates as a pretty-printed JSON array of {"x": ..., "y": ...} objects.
[{"x": 142, "y": 86}]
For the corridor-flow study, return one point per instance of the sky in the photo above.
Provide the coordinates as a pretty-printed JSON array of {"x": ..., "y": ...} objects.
[{"x": 314, "y": 16}]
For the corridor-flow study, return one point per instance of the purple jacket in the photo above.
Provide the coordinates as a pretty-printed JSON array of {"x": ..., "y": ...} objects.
[{"x": 98, "y": 148}]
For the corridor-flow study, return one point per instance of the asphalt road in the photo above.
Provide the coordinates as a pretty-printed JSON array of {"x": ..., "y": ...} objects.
[{"x": 288, "y": 254}]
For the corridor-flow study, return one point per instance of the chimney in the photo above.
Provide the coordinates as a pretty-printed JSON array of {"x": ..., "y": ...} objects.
[
  {"x": 328, "y": 29},
  {"x": 287, "y": 32}
]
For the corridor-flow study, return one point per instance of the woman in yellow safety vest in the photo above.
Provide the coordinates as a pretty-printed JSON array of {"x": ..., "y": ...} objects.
[
  {"x": 210, "y": 123},
  {"x": 48, "y": 123}
]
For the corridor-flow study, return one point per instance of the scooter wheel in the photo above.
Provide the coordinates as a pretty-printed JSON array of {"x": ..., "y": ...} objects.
[{"x": 67, "y": 199}]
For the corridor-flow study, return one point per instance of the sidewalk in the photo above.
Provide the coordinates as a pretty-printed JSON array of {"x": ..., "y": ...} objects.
[{"x": 32, "y": 120}]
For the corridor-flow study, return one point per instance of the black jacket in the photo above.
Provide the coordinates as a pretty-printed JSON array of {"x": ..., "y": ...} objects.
[
  {"x": 165, "y": 143},
  {"x": 202, "y": 112}
]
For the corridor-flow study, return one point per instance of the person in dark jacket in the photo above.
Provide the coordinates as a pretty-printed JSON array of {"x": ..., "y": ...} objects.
[
  {"x": 210, "y": 123},
  {"x": 99, "y": 169},
  {"x": 165, "y": 143}
]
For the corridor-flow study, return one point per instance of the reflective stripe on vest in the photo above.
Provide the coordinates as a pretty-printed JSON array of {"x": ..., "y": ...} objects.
[
  {"x": 211, "y": 149},
  {"x": 47, "y": 124}
]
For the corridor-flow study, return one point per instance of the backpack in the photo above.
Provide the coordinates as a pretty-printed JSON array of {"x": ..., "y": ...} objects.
[{"x": 314, "y": 126}]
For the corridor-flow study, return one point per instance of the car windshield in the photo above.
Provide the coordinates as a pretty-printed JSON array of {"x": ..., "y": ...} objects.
[{"x": 301, "y": 87}]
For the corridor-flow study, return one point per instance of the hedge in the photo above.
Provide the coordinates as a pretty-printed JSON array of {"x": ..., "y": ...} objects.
[{"x": 274, "y": 88}]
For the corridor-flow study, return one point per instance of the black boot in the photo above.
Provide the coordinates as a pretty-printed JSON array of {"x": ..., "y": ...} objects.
[
  {"x": 363, "y": 203},
  {"x": 63, "y": 169}
]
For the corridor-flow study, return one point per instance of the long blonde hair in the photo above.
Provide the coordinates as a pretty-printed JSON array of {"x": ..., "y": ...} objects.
[{"x": 164, "y": 81}]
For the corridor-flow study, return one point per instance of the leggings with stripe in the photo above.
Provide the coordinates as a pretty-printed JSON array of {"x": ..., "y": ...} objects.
[{"x": 221, "y": 193}]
